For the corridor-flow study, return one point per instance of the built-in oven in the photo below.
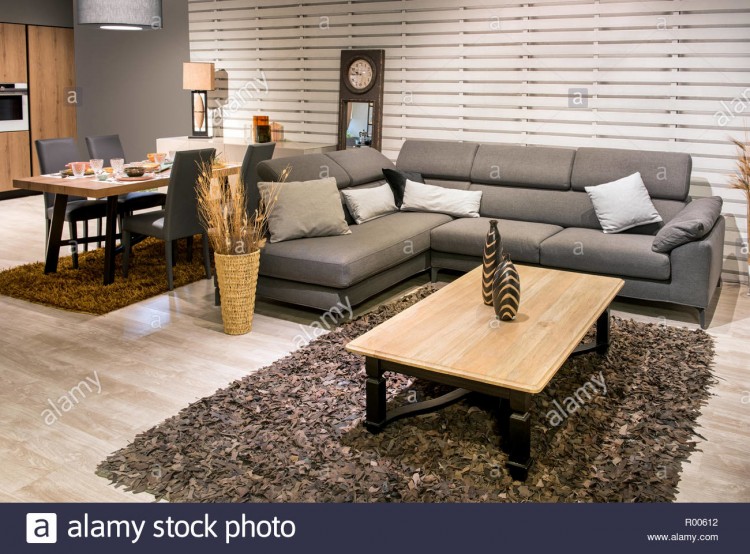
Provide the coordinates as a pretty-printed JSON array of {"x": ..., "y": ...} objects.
[{"x": 14, "y": 107}]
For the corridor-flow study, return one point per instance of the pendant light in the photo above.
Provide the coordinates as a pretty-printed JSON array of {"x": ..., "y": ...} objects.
[{"x": 121, "y": 15}]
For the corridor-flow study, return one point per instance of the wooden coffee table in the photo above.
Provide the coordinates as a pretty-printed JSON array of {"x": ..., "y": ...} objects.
[{"x": 452, "y": 338}]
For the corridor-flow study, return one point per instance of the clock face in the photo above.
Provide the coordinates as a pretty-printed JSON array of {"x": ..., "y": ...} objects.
[{"x": 361, "y": 75}]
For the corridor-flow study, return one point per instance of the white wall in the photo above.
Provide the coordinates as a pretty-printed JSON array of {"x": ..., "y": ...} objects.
[{"x": 657, "y": 74}]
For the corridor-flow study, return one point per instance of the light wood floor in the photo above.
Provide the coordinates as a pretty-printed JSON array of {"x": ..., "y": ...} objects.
[{"x": 155, "y": 357}]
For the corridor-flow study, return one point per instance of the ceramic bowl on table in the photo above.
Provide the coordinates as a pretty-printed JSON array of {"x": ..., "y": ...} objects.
[{"x": 135, "y": 171}]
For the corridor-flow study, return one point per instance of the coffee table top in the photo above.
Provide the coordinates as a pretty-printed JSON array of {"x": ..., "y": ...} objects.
[{"x": 454, "y": 333}]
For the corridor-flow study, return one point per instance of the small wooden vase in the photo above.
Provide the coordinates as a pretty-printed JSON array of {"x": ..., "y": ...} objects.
[
  {"x": 506, "y": 290},
  {"x": 493, "y": 249}
]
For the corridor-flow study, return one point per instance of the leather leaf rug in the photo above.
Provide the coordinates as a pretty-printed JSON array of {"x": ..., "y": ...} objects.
[
  {"x": 81, "y": 290},
  {"x": 293, "y": 431}
]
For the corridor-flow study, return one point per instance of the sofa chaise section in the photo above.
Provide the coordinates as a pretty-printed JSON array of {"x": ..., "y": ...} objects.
[{"x": 320, "y": 272}]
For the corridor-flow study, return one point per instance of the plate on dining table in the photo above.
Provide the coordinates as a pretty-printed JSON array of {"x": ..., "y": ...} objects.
[{"x": 146, "y": 177}]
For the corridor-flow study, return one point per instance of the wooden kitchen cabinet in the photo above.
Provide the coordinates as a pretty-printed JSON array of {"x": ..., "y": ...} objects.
[
  {"x": 13, "y": 53},
  {"x": 51, "y": 85},
  {"x": 14, "y": 158}
]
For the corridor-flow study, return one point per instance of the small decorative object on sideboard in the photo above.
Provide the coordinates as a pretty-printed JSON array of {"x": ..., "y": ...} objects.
[
  {"x": 741, "y": 180},
  {"x": 261, "y": 128},
  {"x": 237, "y": 240},
  {"x": 506, "y": 290},
  {"x": 493, "y": 248},
  {"x": 277, "y": 132}
]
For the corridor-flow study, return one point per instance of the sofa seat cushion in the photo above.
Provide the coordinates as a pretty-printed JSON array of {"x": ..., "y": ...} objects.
[
  {"x": 521, "y": 239},
  {"x": 591, "y": 250},
  {"x": 345, "y": 260}
]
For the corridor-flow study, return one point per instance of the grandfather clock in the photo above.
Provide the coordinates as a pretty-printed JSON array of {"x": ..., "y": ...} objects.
[{"x": 361, "y": 82}]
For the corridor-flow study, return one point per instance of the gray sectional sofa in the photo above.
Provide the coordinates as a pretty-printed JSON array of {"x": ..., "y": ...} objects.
[{"x": 536, "y": 194}]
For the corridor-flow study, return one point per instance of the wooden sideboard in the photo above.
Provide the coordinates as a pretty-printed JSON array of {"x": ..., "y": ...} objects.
[{"x": 233, "y": 150}]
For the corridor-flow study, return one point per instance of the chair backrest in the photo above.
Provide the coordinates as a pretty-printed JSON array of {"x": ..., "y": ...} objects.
[
  {"x": 255, "y": 154},
  {"x": 181, "y": 217},
  {"x": 105, "y": 147},
  {"x": 53, "y": 155}
]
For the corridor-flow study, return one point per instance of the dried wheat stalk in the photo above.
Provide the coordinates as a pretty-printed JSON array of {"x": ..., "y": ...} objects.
[
  {"x": 223, "y": 212},
  {"x": 741, "y": 178}
]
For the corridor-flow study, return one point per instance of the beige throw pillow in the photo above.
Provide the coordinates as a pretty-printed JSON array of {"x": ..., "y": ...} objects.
[{"x": 306, "y": 209}]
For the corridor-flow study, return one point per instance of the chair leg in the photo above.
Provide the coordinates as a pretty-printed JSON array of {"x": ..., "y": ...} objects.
[
  {"x": 73, "y": 228},
  {"x": 174, "y": 253},
  {"x": 169, "y": 248},
  {"x": 99, "y": 231},
  {"x": 48, "y": 224},
  {"x": 206, "y": 257},
  {"x": 190, "y": 250},
  {"x": 126, "y": 238},
  {"x": 86, "y": 235}
]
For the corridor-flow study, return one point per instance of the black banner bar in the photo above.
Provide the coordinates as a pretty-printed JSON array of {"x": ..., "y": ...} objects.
[{"x": 376, "y": 528}]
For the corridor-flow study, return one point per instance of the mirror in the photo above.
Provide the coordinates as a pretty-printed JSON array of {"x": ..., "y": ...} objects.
[{"x": 358, "y": 121}]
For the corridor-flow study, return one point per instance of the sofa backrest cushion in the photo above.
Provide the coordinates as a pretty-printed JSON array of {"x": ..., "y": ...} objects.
[
  {"x": 364, "y": 165},
  {"x": 557, "y": 207},
  {"x": 665, "y": 174},
  {"x": 538, "y": 167},
  {"x": 305, "y": 168},
  {"x": 438, "y": 159}
]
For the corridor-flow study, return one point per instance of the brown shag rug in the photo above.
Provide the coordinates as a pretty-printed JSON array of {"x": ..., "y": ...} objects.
[
  {"x": 81, "y": 290},
  {"x": 293, "y": 432}
]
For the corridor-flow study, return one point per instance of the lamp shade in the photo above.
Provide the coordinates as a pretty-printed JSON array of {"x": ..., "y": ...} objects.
[
  {"x": 121, "y": 14},
  {"x": 198, "y": 76}
]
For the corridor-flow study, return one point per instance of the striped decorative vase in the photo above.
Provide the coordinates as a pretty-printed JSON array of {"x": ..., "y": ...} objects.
[
  {"x": 493, "y": 248},
  {"x": 506, "y": 290}
]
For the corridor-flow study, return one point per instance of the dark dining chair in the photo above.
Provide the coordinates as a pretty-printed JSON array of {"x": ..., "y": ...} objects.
[
  {"x": 107, "y": 147},
  {"x": 53, "y": 155},
  {"x": 254, "y": 154},
  {"x": 249, "y": 177},
  {"x": 179, "y": 218}
]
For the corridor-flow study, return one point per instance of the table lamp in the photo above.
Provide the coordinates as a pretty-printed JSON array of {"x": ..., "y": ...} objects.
[{"x": 199, "y": 77}]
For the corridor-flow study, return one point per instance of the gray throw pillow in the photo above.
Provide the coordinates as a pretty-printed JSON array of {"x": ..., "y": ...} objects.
[
  {"x": 692, "y": 223},
  {"x": 623, "y": 204},
  {"x": 369, "y": 203},
  {"x": 306, "y": 209}
]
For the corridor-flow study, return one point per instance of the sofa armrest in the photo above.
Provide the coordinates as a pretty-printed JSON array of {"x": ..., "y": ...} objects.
[{"x": 697, "y": 266}]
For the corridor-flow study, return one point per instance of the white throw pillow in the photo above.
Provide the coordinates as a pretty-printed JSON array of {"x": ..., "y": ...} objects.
[
  {"x": 370, "y": 203},
  {"x": 429, "y": 198},
  {"x": 623, "y": 204}
]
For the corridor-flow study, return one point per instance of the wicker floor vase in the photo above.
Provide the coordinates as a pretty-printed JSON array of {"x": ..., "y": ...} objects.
[{"x": 238, "y": 278}]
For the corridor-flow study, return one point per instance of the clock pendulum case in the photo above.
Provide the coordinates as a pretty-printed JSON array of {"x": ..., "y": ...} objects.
[{"x": 362, "y": 80}]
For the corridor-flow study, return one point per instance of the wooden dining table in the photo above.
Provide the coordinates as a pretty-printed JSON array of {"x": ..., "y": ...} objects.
[{"x": 64, "y": 187}]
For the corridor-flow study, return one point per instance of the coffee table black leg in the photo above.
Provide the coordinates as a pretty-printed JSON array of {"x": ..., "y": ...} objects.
[
  {"x": 54, "y": 239},
  {"x": 519, "y": 428},
  {"x": 110, "y": 239},
  {"x": 503, "y": 416},
  {"x": 375, "y": 418},
  {"x": 602, "y": 333}
]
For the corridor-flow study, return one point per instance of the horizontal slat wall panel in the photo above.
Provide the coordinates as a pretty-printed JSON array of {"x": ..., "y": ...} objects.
[{"x": 670, "y": 75}]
